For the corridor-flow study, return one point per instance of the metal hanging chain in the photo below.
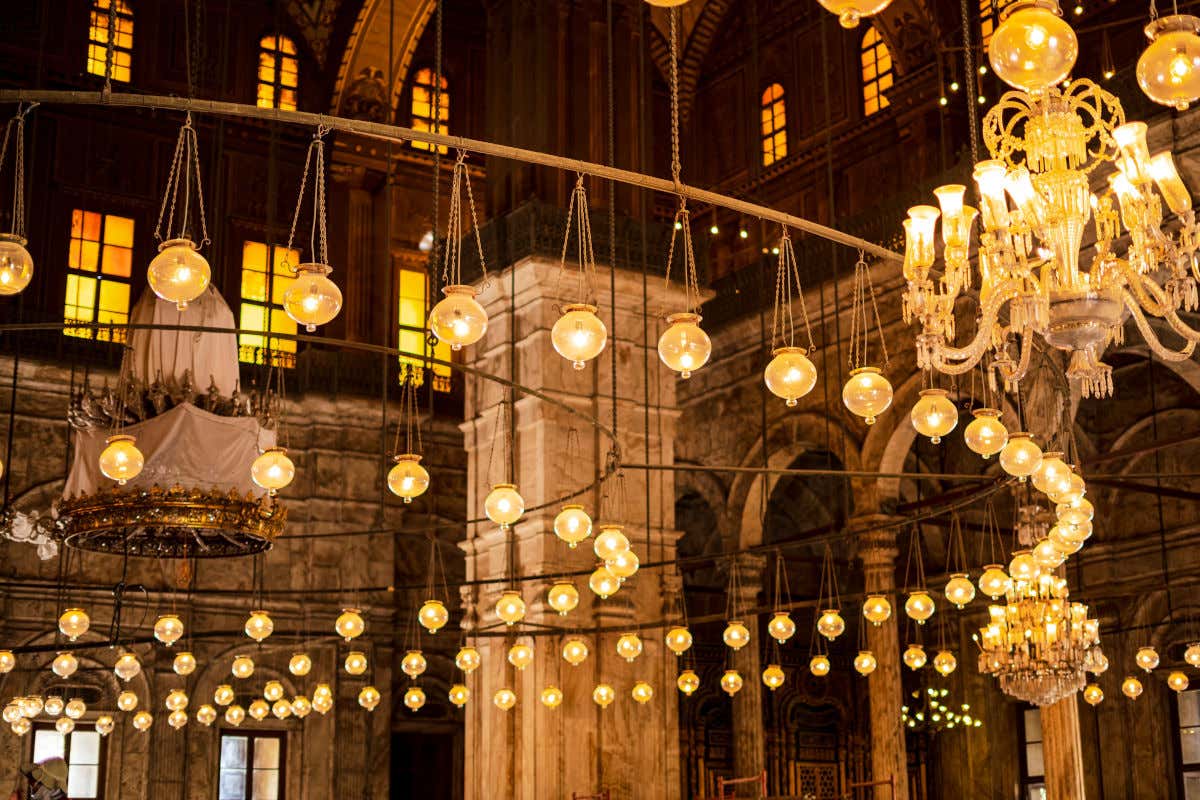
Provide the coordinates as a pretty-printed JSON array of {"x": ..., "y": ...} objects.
[
  {"x": 503, "y": 421},
  {"x": 452, "y": 266},
  {"x": 828, "y": 594},
  {"x": 410, "y": 419},
  {"x": 735, "y": 585},
  {"x": 787, "y": 287},
  {"x": 15, "y": 130},
  {"x": 691, "y": 283},
  {"x": 585, "y": 289},
  {"x": 972, "y": 81},
  {"x": 184, "y": 164},
  {"x": 860, "y": 320},
  {"x": 676, "y": 167},
  {"x": 109, "y": 45},
  {"x": 437, "y": 154},
  {"x": 955, "y": 547},
  {"x": 914, "y": 557},
  {"x": 436, "y": 567},
  {"x": 318, "y": 243}
]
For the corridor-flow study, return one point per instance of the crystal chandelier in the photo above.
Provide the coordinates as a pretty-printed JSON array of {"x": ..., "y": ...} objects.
[
  {"x": 1039, "y": 644},
  {"x": 1047, "y": 140}
]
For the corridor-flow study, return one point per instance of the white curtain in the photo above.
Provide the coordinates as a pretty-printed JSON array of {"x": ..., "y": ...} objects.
[{"x": 167, "y": 355}]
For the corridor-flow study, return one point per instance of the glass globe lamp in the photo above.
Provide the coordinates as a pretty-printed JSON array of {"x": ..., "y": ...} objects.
[
  {"x": 120, "y": 460},
  {"x": 579, "y": 335},
  {"x": 355, "y": 663},
  {"x": 934, "y": 414},
  {"x": 819, "y": 665},
  {"x": 1052, "y": 475},
  {"x": 223, "y": 695},
  {"x": 459, "y": 694},
  {"x": 684, "y": 346},
  {"x": 104, "y": 724},
  {"x": 1070, "y": 490},
  {"x": 679, "y": 639},
  {"x": 1047, "y": 556},
  {"x": 876, "y": 609},
  {"x": 176, "y": 699},
  {"x": 312, "y": 299},
  {"x": 16, "y": 265},
  {"x": 959, "y": 589},
  {"x": 64, "y": 725},
  {"x": 629, "y": 646},
  {"x": 623, "y": 565},
  {"x": 1020, "y": 456},
  {"x": 413, "y": 663},
  {"x": 178, "y": 274},
  {"x": 1023, "y": 567},
  {"x": 994, "y": 581},
  {"x": 504, "y": 699},
  {"x": 184, "y": 663},
  {"x": 272, "y": 691},
  {"x": 520, "y": 655},
  {"x": 603, "y": 695},
  {"x": 945, "y": 662},
  {"x": 168, "y": 629},
  {"x": 433, "y": 616},
  {"x": 1177, "y": 681},
  {"x": 259, "y": 709},
  {"x": 322, "y": 702},
  {"x": 736, "y": 635},
  {"x": 349, "y": 624},
  {"x": 142, "y": 721},
  {"x": 1082, "y": 506},
  {"x": 1146, "y": 658},
  {"x": 259, "y": 625},
  {"x": 407, "y": 478},
  {"x": 74, "y": 623},
  {"x": 273, "y": 470},
  {"x": 1093, "y": 695},
  {"x": 235, "y": 715},
  {"x": 1131, "y": 687},
  {"x": 731, "y": 682},
  {"x": 32, "y": 705},
  {"x": 510, "y": 608},
  {"x": 563, "y": 598},
  {"x": 53, "y": 706},
  {"x": 242, "y": 667},
  {"x": 603, "y": 583},
  {"x": 281, "y": 709},
  {"x": 782, "y": 627},
  {"x": 369, "y": 697},
  {"x": 914, "y": 656},
  {"x": 1192, "y": 654},
  {"x": 7, "y": 662},
  {"x": 867, "y": 393},
  {"x": 504, "y": 504},
  {"x": 300, "y": 664},
  {"x": 610, "y": 542},
  {"x": 986, "y": 434},
  {"x": 574, "y": 652},
  {"x": 64, "y": 665},
  {"x": 301, "y": 706},
  {"x": 206, "y": 715},
  {"x": 851, "y": 12},
  {"x": 865, "y": 663},
  {"x": 830, "y": 624},
  {"x": 773, "y": 677},
  {"x": 551, "y": 697},
  {"x": 21, "y": 726},
  {"x": 414, "y": 698},
  {"x": 1065, "y": 544},
  {"x": 467, "y": 659},
  {"x": 1033, "y": 48},
  {"x": 127, "y": 667},
  {"x": 572, "y": 524},
  {"x": 458, "y": 319},
  {"x": 919, "y": 606},
  {"x": 642, "y": 692},
  {"x": 1169, "y": 69},
  {"x": 12, "y": 712},
  {"x": 688, "y": 682},
  {"x": 790, "y": 374}
]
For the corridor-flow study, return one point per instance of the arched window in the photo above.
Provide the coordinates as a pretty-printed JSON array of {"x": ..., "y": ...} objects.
[
  {"x": 774, "y": 125},
  {"x": 422, "y": 106},
  {"x": 278, "y": 73},
  {"x": 876, "y": 71},
  {"x": 121, "y": 17},
  {"x": 989, "y": 18}
]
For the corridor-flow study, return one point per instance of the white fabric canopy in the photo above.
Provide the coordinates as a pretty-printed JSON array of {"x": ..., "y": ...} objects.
[
  {"x": 167, "y": 355},
  {"x": 186, "y": 446}
]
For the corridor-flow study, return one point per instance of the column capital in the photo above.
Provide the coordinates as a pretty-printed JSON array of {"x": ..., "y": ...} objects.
[{"x": 875, "y": 538}]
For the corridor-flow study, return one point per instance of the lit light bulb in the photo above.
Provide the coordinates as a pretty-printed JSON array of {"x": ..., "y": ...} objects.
[
  {"x": 322, "y": 700},
  {"x": 1023, "y": 567},
  {"x": 75, "y": 708},
  {"x": 127, "y": 667},
  {"x": 206, "y": 715},
  {"x": 945, "y": 662},
  {"x": 176, "y": 699},
  {"x": 53, "y": 706},
  {"x": 273, "y": 470},
  {"x": 1052, "y": 475},
  {"x": 300, "y": 664},
  {"x": 504, "y": 699},
  {"x": 865, "y": 663},
  {"x": 623, "y": 565},
  {"x": 413, "y": 663},
  {"x": 16, "y": 265},
  {"x": 629, "y": 646},
  {"x": 407, "y": 478},
  {"x": 64, "y": 725},
  {"x": 1020, "y": 456},
  {"x": 32, "y": 705},
  {"x": 1178, "y": 681},
  {"x": 579, "y": 335},
  {"x": 142, "y": 721},
  {"x": 679, "y": 639},
  {"x": 867, "y": 393},
  {"x": 773, "y": 676},
  {"x": 1047, "y": 556},
  {"x": 459, "y": 694},
  {"x": 242, "y": 667},
  {"x": 121, "y": 461},
  {"x": 510, "y": 608},
  {"x": 414, "y": 698},
  {"x": 74, "y": 623},
  {"x": 603, "y": 583},
  {"x": 369, "y": 697},
  {"x": 1131, "y": 687},
  {"x": 184, "y": 663},
  {"x": 684, "y": 346},
  {"x": 504, "y": 504},
  {"x": 603, "y": 695},
  {"x": 1033, "y": 48},
  {"x": 688, "y": 682},
  {"x": 1192, "y": 654},
  {"x": 919, "y": 606},
  {"x": 819, "y": 665},
  {"x": 520, "y": 655},
  {"x": 959, "y": 589},
  {"x": 259, "y": 625},
  {"x": 642, "y": 692},
  {"x": 563, "y": 598},
  {"x": 914, "y": 656},
  {"x": 986, "y": 434},
  {"x": 850, "y": 12},
  {"x": 235, "y": 715},
  {"x": 349, "y": 624},
  {"x": 1169, "y": 69},
  {"x": 610, "y": 542},
  {"x": 356, "y": 662},
  {"x": 7, "y": 662},
  {"x": 281, "y": 709},
  {"x": 458, "y": 319},
  {"x": 168, "y": 629},
  {"x": 731, "y": 682},
  {"x": 934, "y": 414},
  {"x": 994, "y": 581},
  {"x": 877, "y": 609},
  {"x": 574, "y": 652},
  {"x": 223, "y": 695},
  {"x": 272, "y": 691},
  {"x": 736, "y": 635},
  {"x": 790, "y": 374},
  {"x": 781, "y": 626},
  {"x": 830, "y": 624},
  {"x": 467, "y": 659},
  {"x": 572, "y": 524},
  {"x": 433, "y": 616},
  {"x": 104, "y": 724},
  {"x": 178, "y": 274},
  {"x": 64, "y": 665},
  {"x": 21, "y": 726},
  {"x": 1146, "y": 658},
  {"x": 1093, "y": 695},
  {"x": 312, "y": 299},
  {"x": 551, "y": 697}
]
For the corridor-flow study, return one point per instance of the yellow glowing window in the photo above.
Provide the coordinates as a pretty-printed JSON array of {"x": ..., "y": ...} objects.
[
  {"x": 422, "y": 106},
  {"x": 99, "y": 260},
  {"x": 414, "y": 299},
  {"x": 278, "y": 73},
  {"x": 774, "y": 125},
  {"x": 121, "y": 17},
  {"x": 264, "y": 280},
  {"x": 989, "y": 18},
  {"x": 876, "y": 71}
]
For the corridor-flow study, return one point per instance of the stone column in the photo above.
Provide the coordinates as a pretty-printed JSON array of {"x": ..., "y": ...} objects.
[
  {"x": 531, "y": 752},
  {"x": 749, "y": 737},
  {"x": 889, "y": 759},
  {"x": 1062, "y": 749}
]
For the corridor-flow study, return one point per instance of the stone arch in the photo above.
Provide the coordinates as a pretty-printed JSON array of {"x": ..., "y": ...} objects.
[
  {"x": 365, "y": 59},
  {"x": 1188, "y": 371},
  {"x": 696, "y": 42}
]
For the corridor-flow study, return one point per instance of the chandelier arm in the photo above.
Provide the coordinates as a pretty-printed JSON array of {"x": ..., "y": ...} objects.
[
  {"x": 1152, "y": 340},
  {"x": 968, "y": 357}
]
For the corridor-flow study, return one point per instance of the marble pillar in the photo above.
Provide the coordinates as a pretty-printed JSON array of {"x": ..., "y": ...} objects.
[
  {"x": 749, "y": 736},
  {"x": 877, "y": 551},
  {"x": 530, "y": 751},
  {"x": 1062, "y": 750}
]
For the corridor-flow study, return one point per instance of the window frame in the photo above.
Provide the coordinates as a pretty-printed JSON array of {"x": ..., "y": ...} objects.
[
  {"x": 1030, "y": 782},
  {"x": 878, "y": 77},
  {"x": 773, "y": 124},
  {"x": 124, "y": 14},
  {"x": 251, "y": 736},
  {"x": 989, "y": 19},
  {"x": 102, "y": 756},
  {"x": 442, "y": 376},
  {"x": 266, "y": 354},
  {"x": 423, "y": 80},
  {"x": 1182, "y": 770},
  {"x": 98, "y": 275},
  {"x": 277, "y": 55}
]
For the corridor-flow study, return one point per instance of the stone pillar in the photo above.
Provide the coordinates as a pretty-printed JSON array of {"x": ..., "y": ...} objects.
[
  {"x": 889, "y": 759},
  {"x": 531, "y": 752},
  {"x": 749, "y": 737},
  {"x": 1062, "y": 749}
]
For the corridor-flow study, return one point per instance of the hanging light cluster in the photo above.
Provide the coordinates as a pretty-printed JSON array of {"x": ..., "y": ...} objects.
[{"x": 929, "y": 712}]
